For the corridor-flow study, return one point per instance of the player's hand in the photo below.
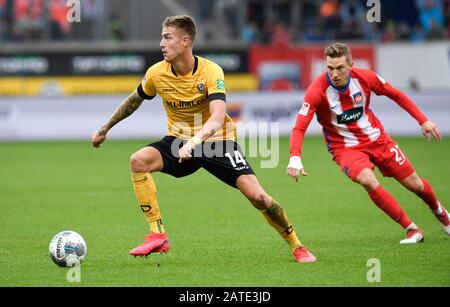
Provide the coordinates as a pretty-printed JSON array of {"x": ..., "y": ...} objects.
[
  {"x": 430, "y": 129},
  {"x": 97, "y": 139},
  {"x": 295, "y": 168},
  {"x": 295, "y": 173},
  {"x": 185, "y": 152}
]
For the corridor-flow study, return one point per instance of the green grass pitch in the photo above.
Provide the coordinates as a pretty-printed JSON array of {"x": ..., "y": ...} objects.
[{"x": 217, "y": 237}]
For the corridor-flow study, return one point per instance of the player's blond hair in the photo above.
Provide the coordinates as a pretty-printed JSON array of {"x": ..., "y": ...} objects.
[
  {"x": 185, "y": 22},
  {"x": 337, "y": 50}
]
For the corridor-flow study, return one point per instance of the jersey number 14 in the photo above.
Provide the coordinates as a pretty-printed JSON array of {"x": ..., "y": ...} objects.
[{"x": 238, "y": 158}]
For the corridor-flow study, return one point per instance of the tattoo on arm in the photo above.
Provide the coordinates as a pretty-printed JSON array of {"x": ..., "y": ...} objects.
[{"x": 125, "y": 109}]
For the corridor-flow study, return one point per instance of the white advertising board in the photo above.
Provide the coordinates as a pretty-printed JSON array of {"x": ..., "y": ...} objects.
[
  {"x": 427, "y": 65},
  {"x": 77, "y": 117}
]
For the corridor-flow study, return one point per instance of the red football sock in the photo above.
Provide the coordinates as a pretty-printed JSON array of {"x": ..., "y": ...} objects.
[
  {"x": 389, "y": 205},
  {"x": 428, "y": 196}
]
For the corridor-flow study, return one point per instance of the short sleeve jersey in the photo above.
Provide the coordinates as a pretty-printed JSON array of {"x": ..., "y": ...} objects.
[{"x": 186, "y": 98}]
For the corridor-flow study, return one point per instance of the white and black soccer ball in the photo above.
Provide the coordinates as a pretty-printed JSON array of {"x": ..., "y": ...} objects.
[{"x": 67, "y": 248}]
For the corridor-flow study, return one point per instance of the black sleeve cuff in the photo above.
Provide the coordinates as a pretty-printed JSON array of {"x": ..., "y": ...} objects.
[
  {"x": 142, "y": 94},
  {"x": 217, "y": 96}
]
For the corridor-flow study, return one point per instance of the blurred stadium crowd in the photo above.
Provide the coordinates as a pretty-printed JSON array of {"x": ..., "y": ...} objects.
[{"x": 243, "y": 21}]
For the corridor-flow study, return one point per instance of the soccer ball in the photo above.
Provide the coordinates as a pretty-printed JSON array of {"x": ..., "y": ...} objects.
[{"x": 67, "y": 248}]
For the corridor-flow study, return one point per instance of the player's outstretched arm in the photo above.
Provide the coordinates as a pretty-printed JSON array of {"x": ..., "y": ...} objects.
[
  {"x": 218, "y": 111},
  {"x": 125, "y": 109},
  {"x": 430, "y": 129},
  {"x": 295, "y": 168},
  {"x": 304, "y": 117}
]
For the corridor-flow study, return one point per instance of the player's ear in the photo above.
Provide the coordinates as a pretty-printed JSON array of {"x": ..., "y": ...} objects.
[
  {"x": 186, "y": 40},
  {"x": 351, "y": 64}
]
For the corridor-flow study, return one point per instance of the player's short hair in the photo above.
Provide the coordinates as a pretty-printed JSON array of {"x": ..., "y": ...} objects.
[
  {"x": 185, "y": 22},
  {"x": 337, "y": 50}
]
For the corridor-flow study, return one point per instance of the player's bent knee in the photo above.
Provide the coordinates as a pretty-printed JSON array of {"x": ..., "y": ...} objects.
[
  {"x": 146, "y": 160},
  {"x": 413, "y": 183},
  {"x": 367, "y": 179},
  {"x": 260, "y": 201},
  {"x": 417, "y": 187},
  {"x": 137, "y": 165},
  {"x": 252, "y": 190}
]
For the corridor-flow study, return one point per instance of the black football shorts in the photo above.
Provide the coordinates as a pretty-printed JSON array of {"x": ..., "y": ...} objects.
[{"x": 223, "y": 159}]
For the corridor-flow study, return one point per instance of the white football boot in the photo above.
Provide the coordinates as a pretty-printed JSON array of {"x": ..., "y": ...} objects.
[
  {"x": 413, "y": 235},
  {"x": 443, "y": 218}
]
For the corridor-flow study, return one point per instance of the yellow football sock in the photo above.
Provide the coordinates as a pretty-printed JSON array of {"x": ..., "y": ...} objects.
[
  {"x": 157, "y": 226},
  {"x": 145, "y": 191},
  {"x": 277, "y": 218}
]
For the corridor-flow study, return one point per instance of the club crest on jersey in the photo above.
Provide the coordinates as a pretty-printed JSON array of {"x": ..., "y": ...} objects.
[
  {"x": 201, "y": 88},
  {"x": 358, "y": 97}
]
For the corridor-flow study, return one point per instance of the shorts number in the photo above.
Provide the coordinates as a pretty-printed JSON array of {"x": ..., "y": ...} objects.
[
  {"x": 239, "y": 158},
  {"x": 399, "y": 156}
]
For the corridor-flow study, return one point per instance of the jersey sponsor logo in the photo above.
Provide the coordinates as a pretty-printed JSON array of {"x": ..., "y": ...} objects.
[
  {"x": 201, "y": 88},
  {"x": 220, "y": 85},
  {"x": 358, "y": 97},
  {"x": 305, "y": 108},
  {"x": 184, "y": 104},
  {"x": 350, "y": 116},
  {"x": 169, "y": 90}
]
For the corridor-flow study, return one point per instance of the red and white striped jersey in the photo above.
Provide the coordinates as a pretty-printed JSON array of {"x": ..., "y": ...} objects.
[{"x": 345, "y": 114}]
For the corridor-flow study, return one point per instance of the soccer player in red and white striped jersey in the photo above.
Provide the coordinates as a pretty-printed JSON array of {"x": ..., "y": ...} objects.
[{"x": 355, "y": 137}]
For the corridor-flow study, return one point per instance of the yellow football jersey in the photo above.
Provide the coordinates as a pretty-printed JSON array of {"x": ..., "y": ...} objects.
[{"x": 186, "y": 98}]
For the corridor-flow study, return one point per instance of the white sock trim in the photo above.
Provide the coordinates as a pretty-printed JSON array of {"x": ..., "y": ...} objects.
[
  {"x": 439, "y": 210},
  {"x": 411, "y": 227}
]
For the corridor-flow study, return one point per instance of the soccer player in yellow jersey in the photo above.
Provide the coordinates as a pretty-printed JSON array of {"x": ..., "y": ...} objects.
[{"x": 200, "y": 134}]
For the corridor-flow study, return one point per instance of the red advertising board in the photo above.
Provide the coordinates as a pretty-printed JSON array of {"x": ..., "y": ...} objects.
[{"x": 294, "y": 68}]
